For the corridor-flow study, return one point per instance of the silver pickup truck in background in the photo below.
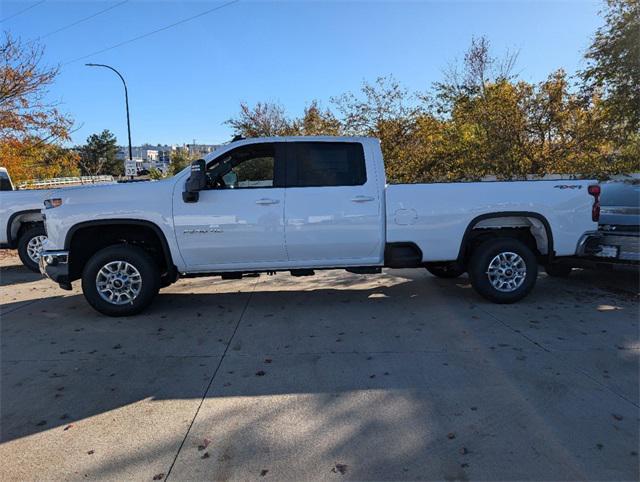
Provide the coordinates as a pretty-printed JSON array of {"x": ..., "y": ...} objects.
[{"x": 617, "y": 239}]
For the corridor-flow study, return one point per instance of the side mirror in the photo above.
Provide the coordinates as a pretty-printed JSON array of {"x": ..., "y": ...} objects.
[{"x": 197, "y": 182}]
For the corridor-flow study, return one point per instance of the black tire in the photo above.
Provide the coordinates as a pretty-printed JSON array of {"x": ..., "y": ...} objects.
[
  {"x": 558, "y": 270},
  {"x": 444, "y": 270},
  {"x": 141, "y": 261},
  {"x": 23, "y": 246},
  {"x": 481, "y": 260}
]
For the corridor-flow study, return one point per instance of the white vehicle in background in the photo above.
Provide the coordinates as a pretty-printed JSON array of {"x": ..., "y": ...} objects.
[
  {"x": 21, "y": 218},
  {"x": 303, "y": 203},
  {"x": 21, "y": 221}
]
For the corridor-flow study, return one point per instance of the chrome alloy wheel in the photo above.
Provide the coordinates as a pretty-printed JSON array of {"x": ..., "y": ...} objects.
[
  {"x": 118, "y": 283},
  {"x": 34, "y": 247},
  {"x": 507, "y": 271}
]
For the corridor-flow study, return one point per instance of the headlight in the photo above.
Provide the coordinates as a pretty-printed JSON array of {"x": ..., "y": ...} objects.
[{"x": 52, "y": 203}]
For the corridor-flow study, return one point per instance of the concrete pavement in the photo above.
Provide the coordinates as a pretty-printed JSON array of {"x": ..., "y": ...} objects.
[{"x": 398, "y": 376}]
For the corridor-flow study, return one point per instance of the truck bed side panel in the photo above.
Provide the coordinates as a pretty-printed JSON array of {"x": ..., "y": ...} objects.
[{"x": 435, "y": 216}]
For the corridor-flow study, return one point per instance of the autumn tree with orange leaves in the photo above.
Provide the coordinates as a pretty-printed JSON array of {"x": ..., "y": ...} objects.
[{"x": 32, "y": 129}]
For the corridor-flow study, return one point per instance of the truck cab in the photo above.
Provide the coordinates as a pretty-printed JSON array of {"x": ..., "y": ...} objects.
[{"x": 282, "y": 205}]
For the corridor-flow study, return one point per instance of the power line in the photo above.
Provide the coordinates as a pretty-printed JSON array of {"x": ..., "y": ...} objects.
[
  {"x": 139, "y": 37},
  {"x": 21, "y": 11},
  {"x": 83, "y": 19}
]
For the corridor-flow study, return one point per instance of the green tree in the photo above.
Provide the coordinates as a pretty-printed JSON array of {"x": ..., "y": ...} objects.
[
  {"x": 179, "y": 160},
  {"x": 386, "y": 110},
  {"x": 155, "y": 173},
  {"x": 481, "y": 120},
  {"x": 317, "y": 122},
  {"x": 613, "y": 68},
  {"x": 265, "y": 119},
  {"x": 98, "y": 155}
]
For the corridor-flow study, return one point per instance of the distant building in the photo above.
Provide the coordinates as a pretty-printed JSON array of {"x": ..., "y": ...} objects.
[
  {"x": 148, "y": 156},
  {"x": 199, "y": 150}
]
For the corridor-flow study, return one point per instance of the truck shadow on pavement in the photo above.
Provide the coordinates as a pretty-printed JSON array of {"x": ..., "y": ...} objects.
[
  {"x": 17, "y": 274},
  {"x": 344, "y": 365}
]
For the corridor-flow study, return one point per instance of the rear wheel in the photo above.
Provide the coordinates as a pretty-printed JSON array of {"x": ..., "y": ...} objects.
[
  {"x": 558, "y": 270},
  {"x": 444, "y": 270},
  {"x": 120, "y": 280},
  {"x": 30, "y": 246},
  {"x": 503, "y": 270}
]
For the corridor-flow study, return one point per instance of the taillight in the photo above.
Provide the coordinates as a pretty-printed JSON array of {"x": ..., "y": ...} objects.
[{"x": 594, "y": 190}]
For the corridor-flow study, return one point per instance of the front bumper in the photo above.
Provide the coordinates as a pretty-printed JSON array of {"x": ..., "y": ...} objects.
[
  {"x": 606, "y": 246},
  {"x": 55, "y": 266}
]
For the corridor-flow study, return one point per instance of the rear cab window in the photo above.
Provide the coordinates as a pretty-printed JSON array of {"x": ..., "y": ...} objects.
[{"x": 315, "y": 164}]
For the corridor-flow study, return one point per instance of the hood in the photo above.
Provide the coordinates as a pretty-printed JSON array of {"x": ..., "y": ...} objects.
[{"x": 115, "y": 193}]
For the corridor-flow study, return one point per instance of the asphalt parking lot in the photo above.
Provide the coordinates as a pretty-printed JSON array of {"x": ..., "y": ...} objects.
[{"x": 398, "y": 376}]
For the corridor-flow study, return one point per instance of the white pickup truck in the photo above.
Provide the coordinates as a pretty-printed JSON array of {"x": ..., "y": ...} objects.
[
  {"x": 303, "y": 203},
  {"x": 21, "y": 223}
]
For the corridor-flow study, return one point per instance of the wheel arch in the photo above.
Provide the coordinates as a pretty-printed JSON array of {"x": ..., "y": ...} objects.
[
  {"x": 98, "y": 226},
  {"x": 544, "y": 244},
  {"x": 17, "y": 219}
]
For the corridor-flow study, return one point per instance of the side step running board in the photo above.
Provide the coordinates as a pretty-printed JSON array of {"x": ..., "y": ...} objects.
[
  {"x": 302, "y": 272},
  {"x": 365, "y": 270}
]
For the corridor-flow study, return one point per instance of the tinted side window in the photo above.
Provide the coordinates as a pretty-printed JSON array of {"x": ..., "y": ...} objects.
[
  {"x": 254, "y": 172},
  {"x": 251, "y": 166},
  {"x": 325, "y": 164},
  {"x": 5, "y": 184}
]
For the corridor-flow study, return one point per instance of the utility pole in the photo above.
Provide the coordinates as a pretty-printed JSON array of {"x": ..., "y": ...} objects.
[{"x": 126, "y": 102}]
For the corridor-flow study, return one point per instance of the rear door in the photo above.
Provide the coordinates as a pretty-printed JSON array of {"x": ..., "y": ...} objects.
[{"x": 333, "y": 206}]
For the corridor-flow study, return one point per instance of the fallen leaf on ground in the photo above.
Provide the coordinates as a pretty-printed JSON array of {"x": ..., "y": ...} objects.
[
  {"x": 205, "y": 444},
  {"x": 340, "y": 469}
]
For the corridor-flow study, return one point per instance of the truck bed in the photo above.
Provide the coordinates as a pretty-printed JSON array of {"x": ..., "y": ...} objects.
[{"x": 433, "y": 215}]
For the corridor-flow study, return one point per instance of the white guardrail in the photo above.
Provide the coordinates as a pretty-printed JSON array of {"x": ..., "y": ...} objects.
[{"x": 64, "y": 181}]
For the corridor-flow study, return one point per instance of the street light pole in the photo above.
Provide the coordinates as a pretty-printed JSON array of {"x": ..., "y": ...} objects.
[{"x": 126, "y": 101}]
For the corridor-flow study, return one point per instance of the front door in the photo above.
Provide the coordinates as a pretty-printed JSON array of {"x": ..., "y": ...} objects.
[{"x": 238, "y": 221}]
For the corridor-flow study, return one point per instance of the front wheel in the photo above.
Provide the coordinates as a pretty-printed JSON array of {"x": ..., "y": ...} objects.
[
  {"x": 30, "y": 246},
  {"x": 120, "y": 280},
  {"x": 503, "y": 270},
  {"x": 444, "y": 270}
]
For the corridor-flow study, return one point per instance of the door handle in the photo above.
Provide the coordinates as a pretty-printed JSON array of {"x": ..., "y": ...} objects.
[
  {"x": 362, "y": 199},
  {"x": 266, "y": 202}
]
